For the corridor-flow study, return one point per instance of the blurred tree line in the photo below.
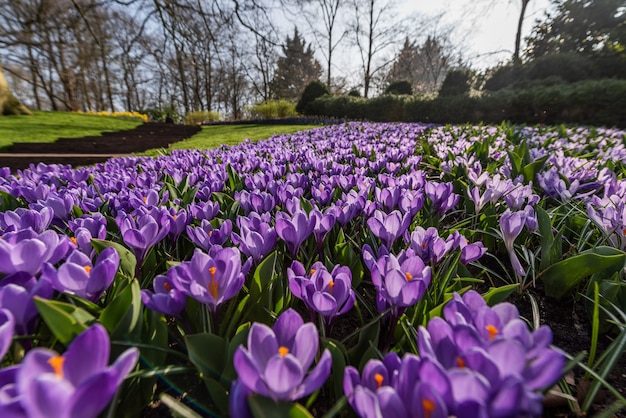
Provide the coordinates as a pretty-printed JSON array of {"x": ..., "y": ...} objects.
[{"x": 181, "y": 56}]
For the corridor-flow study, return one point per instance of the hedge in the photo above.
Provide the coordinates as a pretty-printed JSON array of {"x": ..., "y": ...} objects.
[{"x": 593, "y": 102}]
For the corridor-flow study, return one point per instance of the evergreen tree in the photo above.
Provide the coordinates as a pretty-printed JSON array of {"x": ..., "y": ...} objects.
[
  {"x": 9, "y": 105},
  {"x": 295, "y": 69}
]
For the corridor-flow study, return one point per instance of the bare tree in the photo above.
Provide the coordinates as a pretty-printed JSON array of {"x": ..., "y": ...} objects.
[{"x": 375, "y": 29}]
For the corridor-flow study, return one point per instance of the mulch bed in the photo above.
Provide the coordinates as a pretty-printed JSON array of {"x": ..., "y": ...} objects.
[{"x": 94, "y": 149}]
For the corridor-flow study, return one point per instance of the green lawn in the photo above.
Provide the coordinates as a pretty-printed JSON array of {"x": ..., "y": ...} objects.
[
  {"x": 215, "y": 135},
  {"x": 49, "y": 126}
]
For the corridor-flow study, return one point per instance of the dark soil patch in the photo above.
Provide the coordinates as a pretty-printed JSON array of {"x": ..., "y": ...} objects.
[{"x": 94, "y": 149}]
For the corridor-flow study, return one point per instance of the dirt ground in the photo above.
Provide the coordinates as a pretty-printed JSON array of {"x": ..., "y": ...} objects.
[{"x": 94, "y": 149}]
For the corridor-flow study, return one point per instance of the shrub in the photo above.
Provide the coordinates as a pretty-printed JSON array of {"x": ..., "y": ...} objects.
[
  {"x": 311, "y": 92},
  {"x": 354, "y": 93},
  {"x": 196, "y": 118},
  {"x": 501, "y": 77},
  {"x": 457, "y": 83},
  {"x": 571, "y": 67},
  {"x": 273, "y": 109},
  {"x": 401, "y": 87}
]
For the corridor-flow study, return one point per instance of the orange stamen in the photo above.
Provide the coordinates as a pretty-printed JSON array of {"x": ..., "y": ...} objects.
[
  {"x": 331, "y": 284},
  {"x": 379, "y": 379},
  {"x": 312, "y": 271},
  {"x": 429, "y": 407},
  {"x": 167, "y": 286},
  {"x": 409, "y": 276},
  {"x": 145, "y": 199},
  {"x": 424, "y": 245},
  {"x": 213, "y": 284},
  {"x": 493, "y": 331},
  {"x": 56, "y": 362},
  {"x": 283, "y": 351},
  {"x": 87, "y": 269},
  {"x": 460, "y": 362},
  {"x": 73, "y": 239}
]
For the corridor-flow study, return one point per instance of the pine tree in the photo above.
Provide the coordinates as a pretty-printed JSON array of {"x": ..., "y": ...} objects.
[{"x": 295, "y": 69}]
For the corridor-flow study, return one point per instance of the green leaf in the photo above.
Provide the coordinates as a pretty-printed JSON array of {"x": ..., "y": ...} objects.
[
  {"x": 496, "y": 295},
  {"x": 530, "y": 170},
  {"x": 547, "y": 239},
  {"x": 562, "y": 277},
  {"x": 267, "y": 408},
  {"x": 128, "y": 262},
  {"x": 339, "y": 361},
  {"x": 120, "y": 317},
  {"x": 208, "y": 353},
  {"x": 64, "y": 320},
  {"x": 262, "y": 278}
]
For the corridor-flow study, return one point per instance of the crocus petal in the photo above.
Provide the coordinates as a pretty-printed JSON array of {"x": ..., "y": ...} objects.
[
  {"x": 249, "y": 375},
  {"x": 282, "y": 376},
  {"x": 88, "y": 353},
  {"x": 317, "y": 376}
]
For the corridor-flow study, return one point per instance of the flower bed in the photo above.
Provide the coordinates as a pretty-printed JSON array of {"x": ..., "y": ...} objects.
[{"x": 310, "y": 274}]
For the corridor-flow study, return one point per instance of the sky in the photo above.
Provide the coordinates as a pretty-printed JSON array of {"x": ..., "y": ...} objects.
[{"x": 484, "y": 30}]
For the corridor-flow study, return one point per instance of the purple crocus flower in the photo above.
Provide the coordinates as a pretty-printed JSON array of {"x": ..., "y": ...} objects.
[
  {"x": 328, "y": 293},
  {"x": 143, "y": 232},
  {"x": 78, "y": 276},
  {"x": 216, "y": 279},
  {"x": 206, "y": 236},
  {"x": 441, "y": 195},
  {"x": 256, "y": 237},
  {"x": 22, "y": 218},
  {"x": 16, "y": 295},
  {"x": 166, "y": 298},
  {"x": 277, "y": 360},
  {"x": 76, "y": 383},
  {"x": 400, "y": 282},
  {"x": 204, "y": 210},
  {"x": 85, "y": 228},
  {"x": 389, "y": 227},
  {"x": 178, "y": 222},
  {"x": 511, "y": 224},
  {"x": 294, "y": 230},
  {"x": 7, "y": 329},
  {"x": 26, "y": 251},
  {"x": 427, "y": 244},
  {"x": 323, "y": 224}
]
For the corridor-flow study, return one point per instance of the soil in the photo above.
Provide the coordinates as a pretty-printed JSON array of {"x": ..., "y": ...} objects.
[{"x": 95, "y": 149}]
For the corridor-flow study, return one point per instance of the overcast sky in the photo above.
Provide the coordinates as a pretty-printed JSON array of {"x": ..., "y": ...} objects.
[{"x": 485, "y": 30}]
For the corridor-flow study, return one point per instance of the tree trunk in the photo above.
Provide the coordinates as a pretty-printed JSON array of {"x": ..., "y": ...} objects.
[
  {"x": 518, "y": 36},
  {"x": 9, "y": 105}
]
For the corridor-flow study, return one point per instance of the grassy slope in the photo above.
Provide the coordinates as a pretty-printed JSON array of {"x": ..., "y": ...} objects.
[
  {"x": 49, "y": 126},
  {"x": 216, "y": 135}
]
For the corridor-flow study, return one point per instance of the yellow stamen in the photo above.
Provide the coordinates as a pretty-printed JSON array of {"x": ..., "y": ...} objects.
[
  {"x": 213, "y": 283},
  {"x": 87, "y": 269},
  {"x": 167, "y": 286},
  {"x": 174, "y": 217},
  {"x": 409, "y": 276},
  {"x": 56, "y": 362},
  {"x": 145, "y": 199},
  {"x": 460, "y": 362},
  {"x": 493, "y": 331},
  {"x": 313, "y": 271},
  {"x": 283, "y": 351},
  {"x": 210, "y": 233},
  {"x": 379, "y": 379},
  {"x": 429, "y": 407},
  {"x": 73, "y": 239}
]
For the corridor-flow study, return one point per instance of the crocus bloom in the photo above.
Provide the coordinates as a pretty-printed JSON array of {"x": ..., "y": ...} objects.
[
  {"x": 26, "y": 251},
  {"x": 389, "y": 227},
  {"x": 78, "y": 276},
  {"x": 142, "y": 233},
  {"x": 256, "y": 238},
  {"x": 328, "y": 293},
  {"x": 206, "y": 236},
  {"x": 441, "y": 195},
  {"x": 294, "y": 230},
  {"x": 16, "y": 296},
  {"x": 22, "y": 218},
  {"x": 166, "y": 298},
  {"x": 76, "y": 383},
  {"x": 214, "y": 280},
  {"x": 7, "y": 329},
  {"x": 277, "y": 360},
  {"x": 511, "y": 224}
]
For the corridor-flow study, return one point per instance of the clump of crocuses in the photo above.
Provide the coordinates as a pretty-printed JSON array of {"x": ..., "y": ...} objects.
[
  {"x": 77, "y": 383},
  {"x": 276, "y": 362},
  {"x": 477, "y": 361}
]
